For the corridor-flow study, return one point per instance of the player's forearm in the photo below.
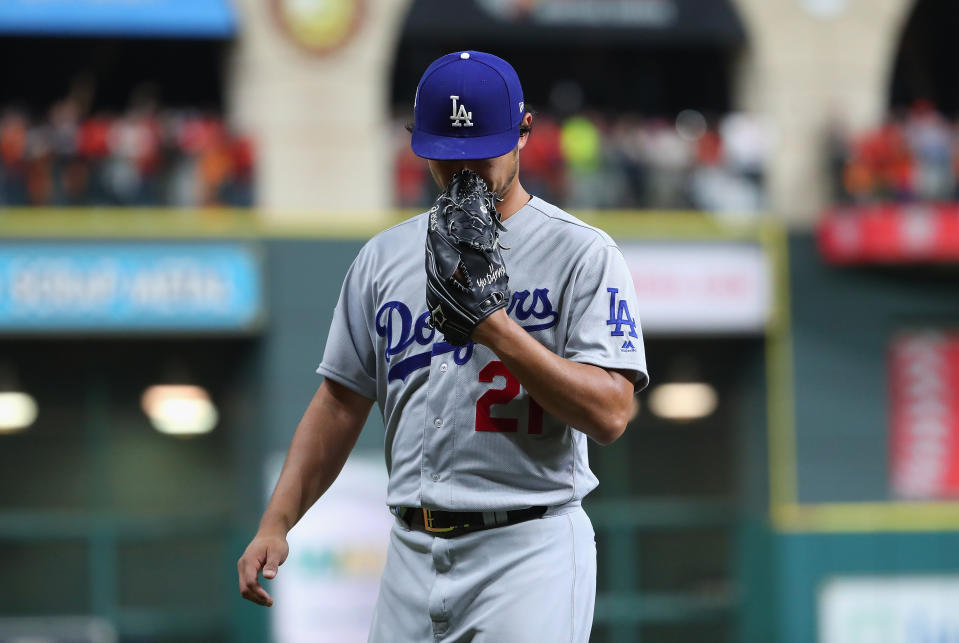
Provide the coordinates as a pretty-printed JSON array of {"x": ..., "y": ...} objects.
[
  {"x": 324, "y": 438},
  {"x": 586, "y": 397}
]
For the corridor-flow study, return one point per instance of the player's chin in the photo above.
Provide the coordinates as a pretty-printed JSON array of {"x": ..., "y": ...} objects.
[{"x": 499, "y": 187}]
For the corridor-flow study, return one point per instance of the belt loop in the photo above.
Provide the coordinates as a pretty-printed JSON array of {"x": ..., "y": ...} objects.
[{"x": 403, "y": 514}]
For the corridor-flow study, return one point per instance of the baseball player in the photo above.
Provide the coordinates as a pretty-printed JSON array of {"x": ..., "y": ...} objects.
[{"x": 525, "y": 345}]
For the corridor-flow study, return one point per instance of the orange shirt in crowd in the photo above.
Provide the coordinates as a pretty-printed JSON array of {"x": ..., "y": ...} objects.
[
  {"x": 13, "y": 140},
  {"x": 93, "y": 138}
]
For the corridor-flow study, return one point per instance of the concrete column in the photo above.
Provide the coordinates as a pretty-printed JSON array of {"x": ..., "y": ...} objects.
[
  {"x": 321, "y": 122},
  {"x": 810, "y": 63}
]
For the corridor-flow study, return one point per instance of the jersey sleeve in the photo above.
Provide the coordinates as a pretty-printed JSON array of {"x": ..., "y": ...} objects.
[
  {"x": 604, "y": 326},
  {"x": 349, "y": 356}
]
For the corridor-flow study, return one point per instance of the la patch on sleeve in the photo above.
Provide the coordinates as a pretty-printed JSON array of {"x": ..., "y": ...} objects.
[{"x": 620, "y": 320}]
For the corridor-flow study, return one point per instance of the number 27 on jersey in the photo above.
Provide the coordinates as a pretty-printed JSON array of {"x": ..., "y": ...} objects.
[{"x": 498, "y": 396}]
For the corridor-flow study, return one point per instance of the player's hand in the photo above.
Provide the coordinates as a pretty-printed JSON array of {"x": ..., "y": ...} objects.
[
  {"x": 466, "y": 278},
  {"x": 264, "y": 553}
]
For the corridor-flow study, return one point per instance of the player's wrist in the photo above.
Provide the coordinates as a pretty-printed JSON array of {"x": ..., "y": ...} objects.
[
  {"x": 272, "y": 527},
  {"x": 492, "y": 328}
]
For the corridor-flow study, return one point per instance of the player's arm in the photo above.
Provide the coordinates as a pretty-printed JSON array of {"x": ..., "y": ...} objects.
[
  {"x": 595, "y": 400},
  {"x": 323, "y": 440}
]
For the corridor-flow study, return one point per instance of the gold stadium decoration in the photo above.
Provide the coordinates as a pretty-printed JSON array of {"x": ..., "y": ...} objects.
[{"x": 319, "y": 26}]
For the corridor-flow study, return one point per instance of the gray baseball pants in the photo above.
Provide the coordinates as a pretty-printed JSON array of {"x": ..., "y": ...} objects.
[{"x": 531, "y": 582}]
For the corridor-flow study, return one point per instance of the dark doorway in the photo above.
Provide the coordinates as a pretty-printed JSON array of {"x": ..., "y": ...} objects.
[{"x": 925, "y": 65}]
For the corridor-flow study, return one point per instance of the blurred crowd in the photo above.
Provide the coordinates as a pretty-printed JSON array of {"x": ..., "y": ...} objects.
[
  {"x": 590, "y": 160},
  {"x": 142, "y": 157},
  {"x": 914, "y": 155}
]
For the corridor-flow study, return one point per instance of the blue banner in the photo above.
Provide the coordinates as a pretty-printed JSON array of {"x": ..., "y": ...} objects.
[
  {"x": 129, "y": 287},
  {"x": 169, "y": 18}
]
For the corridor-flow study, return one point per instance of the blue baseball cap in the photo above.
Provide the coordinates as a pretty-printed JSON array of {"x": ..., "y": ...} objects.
[{"x": 468, "y": 105}]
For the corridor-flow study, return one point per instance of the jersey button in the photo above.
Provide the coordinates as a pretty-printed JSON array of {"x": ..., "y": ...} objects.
[
  {"x": 438, "y": 423},
  {"x": 444, "y": 367},
  {"x": 435, "y": 477}
]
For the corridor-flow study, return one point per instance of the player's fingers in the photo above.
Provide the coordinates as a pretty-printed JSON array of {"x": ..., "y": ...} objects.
[
  {"x": 257, "y": 595},
  {"x": 247, "y": 569},
  {"x": 250, "y": 588},
  {"x": 274, "y": 558}
]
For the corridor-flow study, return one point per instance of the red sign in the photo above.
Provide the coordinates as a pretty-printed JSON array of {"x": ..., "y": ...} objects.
[
  {"x": 924, "y": 432},
  {"x": 891, "y": 233}
]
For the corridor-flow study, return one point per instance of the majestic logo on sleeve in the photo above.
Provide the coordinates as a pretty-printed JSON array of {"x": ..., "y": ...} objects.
[
  {"x": 461, "y": 118},
  {"x": 394, "y": 322},
  {"x": 619, "y": 318}
]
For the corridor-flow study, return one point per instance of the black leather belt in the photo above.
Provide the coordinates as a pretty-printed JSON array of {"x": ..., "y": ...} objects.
[{"x": 449, "y": 524}]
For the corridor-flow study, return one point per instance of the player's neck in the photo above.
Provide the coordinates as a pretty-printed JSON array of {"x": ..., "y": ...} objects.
[{"x": 514, "y": 199}]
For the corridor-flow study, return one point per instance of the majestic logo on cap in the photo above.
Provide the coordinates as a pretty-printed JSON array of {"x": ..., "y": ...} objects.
[{"x": 460, "y": 117}]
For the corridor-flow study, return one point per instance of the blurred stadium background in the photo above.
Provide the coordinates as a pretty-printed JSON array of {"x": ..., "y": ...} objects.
[{"x": 183, "y": 184}]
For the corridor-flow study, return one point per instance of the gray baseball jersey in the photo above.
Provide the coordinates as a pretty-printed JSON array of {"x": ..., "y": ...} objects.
[{"x": 461, "y": 432}]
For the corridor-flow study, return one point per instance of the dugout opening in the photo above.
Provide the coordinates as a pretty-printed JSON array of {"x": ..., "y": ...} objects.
[
  {"x": 101, "y": 513},
  {"x": 673, "y": 496}
]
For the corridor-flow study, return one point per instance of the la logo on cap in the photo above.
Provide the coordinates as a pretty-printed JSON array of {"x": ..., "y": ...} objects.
[
  {"x": 461, "y": 118},
  {"x": 466, "y": 108}
]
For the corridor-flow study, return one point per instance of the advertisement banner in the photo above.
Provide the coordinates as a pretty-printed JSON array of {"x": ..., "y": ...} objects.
[
  {"x": 56, "y": 629},
  {"x": 328, "y": 586},
  {"x": 668, "y": 23},
  {"x": 889, "y": 233},
  {"x": 171, "y": 18},
  {"x": 924, "y": 415},
  {"x": 909, "y": 609},
  {"x": 701, "y": 287},
  {"x": 130, "y": 287},
  {"x": 646, "y": 13}
]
